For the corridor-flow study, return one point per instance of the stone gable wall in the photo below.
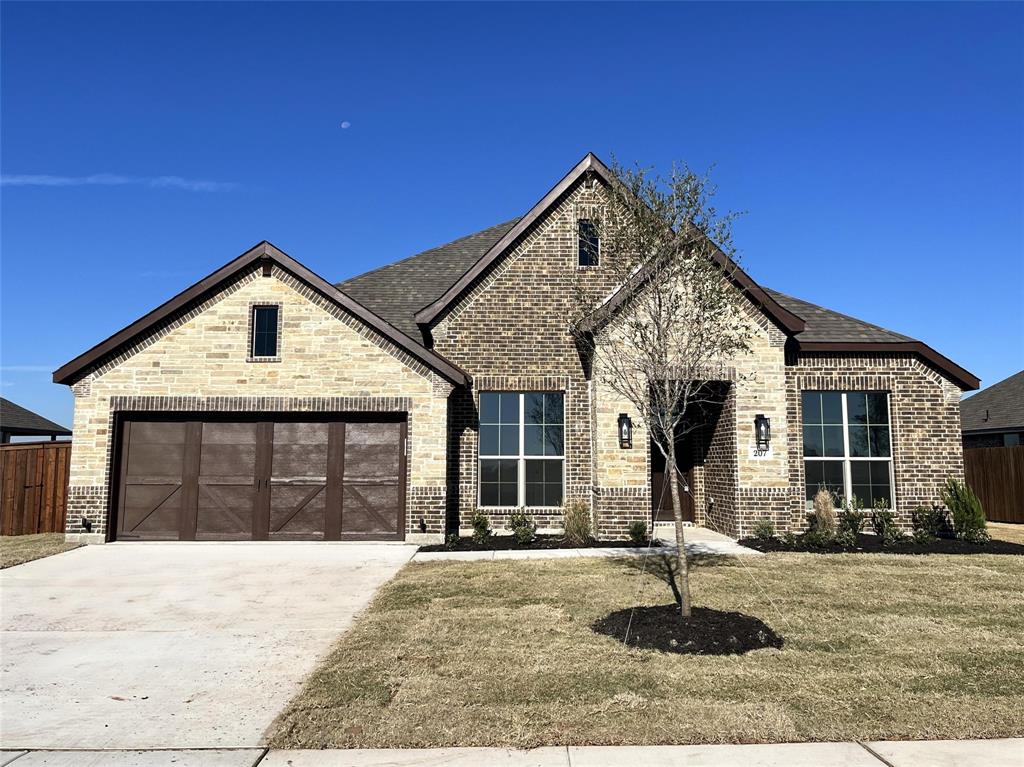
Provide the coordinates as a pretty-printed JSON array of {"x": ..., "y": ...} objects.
[{"x": 327, "y": 362}]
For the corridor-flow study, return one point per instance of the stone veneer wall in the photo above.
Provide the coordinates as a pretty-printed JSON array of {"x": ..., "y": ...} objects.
[
  {"x": 925, "y": 427},
  {"x": 198, "y": 361}
]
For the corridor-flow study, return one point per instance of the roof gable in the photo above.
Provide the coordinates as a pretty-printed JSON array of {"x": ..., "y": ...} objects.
[
  {"x": 266, "y": 253},
  {"x": 589, "y": 164}
]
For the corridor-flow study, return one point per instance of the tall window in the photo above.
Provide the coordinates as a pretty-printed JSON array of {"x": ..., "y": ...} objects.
[
  {"x": 522, "y": 448},
  {"x": 847, "y": 445},
  {"x": 264, "y": 331},
  {"x": 589, "y": 243}
]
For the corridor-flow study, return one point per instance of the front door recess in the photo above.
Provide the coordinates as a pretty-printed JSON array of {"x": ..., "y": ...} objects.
[
  {"x": 661, "y": 490},
  {"x": 233, "y": 478}
]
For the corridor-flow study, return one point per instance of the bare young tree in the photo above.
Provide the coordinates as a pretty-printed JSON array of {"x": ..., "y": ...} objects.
[{"x": 664, "y": 336}]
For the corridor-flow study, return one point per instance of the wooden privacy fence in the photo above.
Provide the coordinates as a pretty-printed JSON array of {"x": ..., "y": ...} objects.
[
  {"x": 996, "y": 474},
  {"x": 34, "y": 487}
]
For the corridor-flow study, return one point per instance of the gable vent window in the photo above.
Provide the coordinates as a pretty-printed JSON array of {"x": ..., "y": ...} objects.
[
  {"x": 589, "y": 243},
  {"x": 265, "y": 331}
]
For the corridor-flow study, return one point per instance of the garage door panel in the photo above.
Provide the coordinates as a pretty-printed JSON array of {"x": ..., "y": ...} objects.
[
  {"x": 152, "y": 510},
  {"x": 239, "y": 479},
  {"x": 370, "y": 509},
  {"x": 227, "y": 481}
]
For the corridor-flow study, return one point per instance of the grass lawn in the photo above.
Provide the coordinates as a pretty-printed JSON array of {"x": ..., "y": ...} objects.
[
  {"x": 17, "y": 549},
  {"x": 501, "y": 653},
  {"x": 1004, "y": 531}
]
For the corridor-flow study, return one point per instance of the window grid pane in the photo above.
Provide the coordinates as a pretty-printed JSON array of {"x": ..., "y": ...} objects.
[
  {"x": 589, "y": 243},
  {"x": 866, "y": 430},
  {"x": 539, "y": 417}
]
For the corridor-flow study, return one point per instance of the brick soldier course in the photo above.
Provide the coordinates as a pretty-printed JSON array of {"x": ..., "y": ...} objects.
[{"x": 424, "y": 337}]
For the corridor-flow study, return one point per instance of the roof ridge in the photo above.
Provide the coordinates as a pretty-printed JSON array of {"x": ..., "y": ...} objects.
[
  {"x": 510, "y": 222},
  {"x": 840, "y": 314}
]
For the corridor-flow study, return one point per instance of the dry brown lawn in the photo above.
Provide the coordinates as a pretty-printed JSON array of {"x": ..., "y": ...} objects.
[
  {"x": 18, "y": 549},
  {"x": 1004, "y": 531},
  {"x": 501, "y": 653}
]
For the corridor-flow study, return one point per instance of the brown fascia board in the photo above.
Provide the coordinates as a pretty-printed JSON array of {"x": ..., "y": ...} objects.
[
  {"x": 966, "y": 380},
  {"x": 264, "y": 251},
  {"x": 591, "y": 163}
]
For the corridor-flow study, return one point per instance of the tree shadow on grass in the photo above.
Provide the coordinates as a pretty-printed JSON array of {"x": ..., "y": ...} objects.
[{"x": 706, "y": 632}]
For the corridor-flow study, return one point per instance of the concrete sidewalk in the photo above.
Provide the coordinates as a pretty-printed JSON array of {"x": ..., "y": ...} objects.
[{"x": 934, "y": 753}]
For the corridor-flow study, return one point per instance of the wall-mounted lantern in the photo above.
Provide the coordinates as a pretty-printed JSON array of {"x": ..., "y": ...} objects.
[
  {"x": 762, "y": 431},
  {"x": 625, "y": 432}
]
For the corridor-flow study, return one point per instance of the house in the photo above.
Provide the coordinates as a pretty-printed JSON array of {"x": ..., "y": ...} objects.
[
  {"x": 17, "y": 421},
  {"x": 265, "y": 402},
  {"x": 995, "y": 417}
]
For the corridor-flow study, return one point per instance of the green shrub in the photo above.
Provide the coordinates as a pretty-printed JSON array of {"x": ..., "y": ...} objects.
[
  {"x": 524, "y": 529},
  {"x": 790, "y": 540},
  {"x": 850, "y": 521},
  {"x": 481, "y": 528},
  {"x": 929, "y": 523},
  {"x": 968, "y": 516},
  {"x": 452, "y": 541},
  {"x": 764, "y": 529},
  {"x": 846, "y": 539},
  {"x": 576, "y": 521},
  {"x": 883, "y": 520},
  {"x": 638, "y": 532}
]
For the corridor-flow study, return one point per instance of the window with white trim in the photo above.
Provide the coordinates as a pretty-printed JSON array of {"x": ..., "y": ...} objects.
[
  {"x": 522, "y": 449},
  {"x": 847, "y": 445}
]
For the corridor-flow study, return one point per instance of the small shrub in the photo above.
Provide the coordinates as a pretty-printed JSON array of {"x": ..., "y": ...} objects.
[
  {"x": 481, "y": 528},
  {"x": 764, "y": 529},
  {"x": 816, "y": 539},
  {"x": 823, "y": 519},
  {"x": 968, "y": 516},
  {"x": 922, "y": 537},
  {"x": 846, "y": 539},
  {"x": 452, "y": 541},
  {"x": 850, "y": 521},
  {"x": 524, "y": 529},
  {"x": 790, "y": 540},
  {"x": 638, "y": 532},
  {"x": 576, "y": 521},
  {"x": 883, "y": 520},
  {"x": 930, "y": 523}
]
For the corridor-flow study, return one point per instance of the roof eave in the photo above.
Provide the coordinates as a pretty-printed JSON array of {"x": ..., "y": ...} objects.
[
  {"x": 966, "y": 380},
  {"x": 264, "y": 251}
]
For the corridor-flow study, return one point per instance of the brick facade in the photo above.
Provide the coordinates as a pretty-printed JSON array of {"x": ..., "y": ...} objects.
[{"x": 510, "y": 332}]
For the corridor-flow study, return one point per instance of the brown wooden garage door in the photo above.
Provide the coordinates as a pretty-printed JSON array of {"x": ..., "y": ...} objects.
[{"x": 235, "y": 479}]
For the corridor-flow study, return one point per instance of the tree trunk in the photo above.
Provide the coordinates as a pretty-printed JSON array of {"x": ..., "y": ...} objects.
[{"x": 677, "y": 511}]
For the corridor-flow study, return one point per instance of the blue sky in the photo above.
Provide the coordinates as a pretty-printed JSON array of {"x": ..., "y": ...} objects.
[{"x": 878, "y": 148}]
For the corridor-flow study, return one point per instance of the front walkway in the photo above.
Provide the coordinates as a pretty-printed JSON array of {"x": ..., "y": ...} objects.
[
  {"x": 699, "y": 542},
  {"x": 935, "y": 753},
  {"x": 172, "y": 645}
]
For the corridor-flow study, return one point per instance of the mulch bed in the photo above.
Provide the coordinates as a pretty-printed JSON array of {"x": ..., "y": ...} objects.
[
  {"x": 871, "y": 544},
  {"x": 705, "y": 632},
  {"x": 508, "y": 543}
]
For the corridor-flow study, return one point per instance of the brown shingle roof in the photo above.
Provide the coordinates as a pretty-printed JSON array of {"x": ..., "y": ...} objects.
[
  {"x": 19, "y": 421},
  {"x": 399, "y": 290},
  {"x": 999, "y": 407},
  {"x": 825, "y": 325}
]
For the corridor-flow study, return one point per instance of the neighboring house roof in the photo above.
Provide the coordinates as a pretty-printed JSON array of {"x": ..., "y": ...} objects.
[
  {"x": 21, "y": 422},
  {"x": 399, "y": 290},
  {"x": 266, "y": 253},
  {"x": 1000, "y": 407}
]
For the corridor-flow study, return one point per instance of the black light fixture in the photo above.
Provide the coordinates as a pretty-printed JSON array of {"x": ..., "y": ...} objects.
[
  {"x": 762, "y": 431},
  {"x": 625, "y": 431}
]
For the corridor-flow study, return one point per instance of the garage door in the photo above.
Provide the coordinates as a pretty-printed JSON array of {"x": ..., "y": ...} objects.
[{"x": 228, "y": 478}]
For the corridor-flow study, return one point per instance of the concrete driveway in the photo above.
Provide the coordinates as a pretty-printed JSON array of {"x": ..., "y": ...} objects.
[{"x": 172, "y": 645}]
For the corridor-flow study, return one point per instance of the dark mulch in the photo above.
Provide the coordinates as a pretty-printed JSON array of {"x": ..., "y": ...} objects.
[
  {"x": 508, "y": 543},
  {"x": 705, "y": 632},
  {"x": 872, "y": 544}
]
